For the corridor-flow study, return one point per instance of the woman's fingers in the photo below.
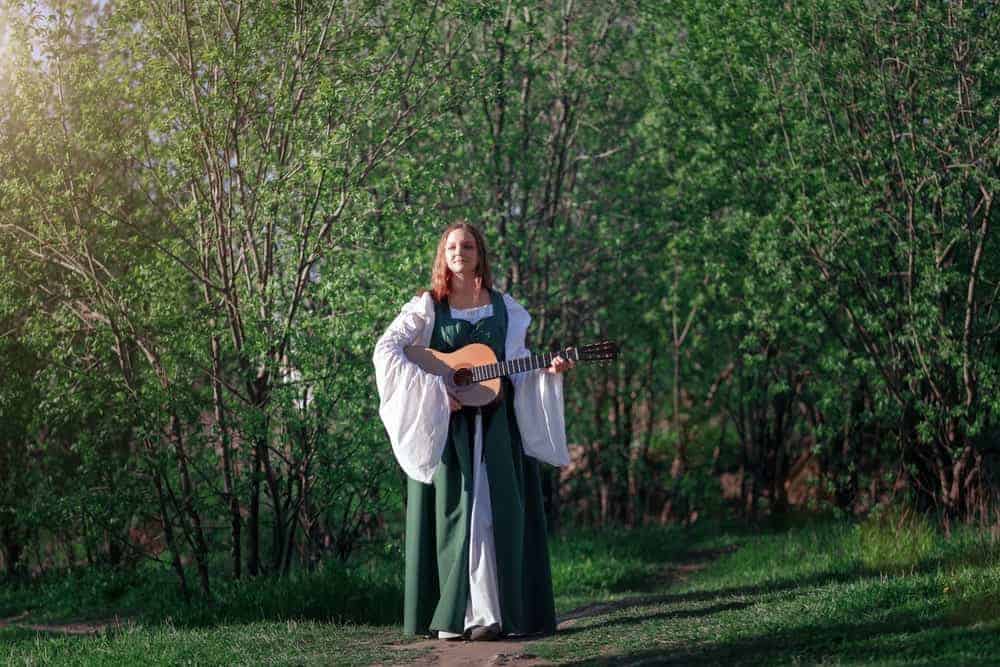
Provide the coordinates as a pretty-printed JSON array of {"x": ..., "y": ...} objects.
[
  {"x": 453, "y": 403},
  {"x": 560, "y": 365}
]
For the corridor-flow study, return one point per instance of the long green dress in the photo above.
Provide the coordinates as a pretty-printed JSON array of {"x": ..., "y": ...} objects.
[{"x": 438, "y": 514}]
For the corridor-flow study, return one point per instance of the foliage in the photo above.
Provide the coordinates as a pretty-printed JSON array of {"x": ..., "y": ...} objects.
[
  {"x": 209, "y": 211},
  {"x": 203, "y": 271}
]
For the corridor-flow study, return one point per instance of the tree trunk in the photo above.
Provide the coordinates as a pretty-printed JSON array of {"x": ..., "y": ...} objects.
[
  {"x": 228, "y": 490},
  {"x": 253, "y": 517},
  {"x": 168, "y": 535},
  {"x": 12, "y": 551},
  {"x": 187, "y": 488}
]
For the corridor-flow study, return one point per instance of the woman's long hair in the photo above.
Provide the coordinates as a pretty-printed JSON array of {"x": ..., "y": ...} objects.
[{"x": 441, "y": 274}]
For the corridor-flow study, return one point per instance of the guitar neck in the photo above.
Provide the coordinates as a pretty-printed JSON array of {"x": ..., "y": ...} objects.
[{"x": 522, "y": 365}]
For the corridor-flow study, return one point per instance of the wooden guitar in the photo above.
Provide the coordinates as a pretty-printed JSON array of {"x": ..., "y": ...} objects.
[{"x": 472, "y": 373}]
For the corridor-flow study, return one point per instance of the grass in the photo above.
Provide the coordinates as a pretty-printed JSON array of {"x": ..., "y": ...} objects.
[
  {"x": 259, "y": 643},
  {"x": 335, "y": 615},
  {"x": 889, "y": 591},
  {"x": 607, "y": 565},
  {"x": 367, "y": 592}
]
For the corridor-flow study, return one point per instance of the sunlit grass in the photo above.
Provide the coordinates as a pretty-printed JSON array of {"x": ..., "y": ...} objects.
[{"x": 896, "y": 540}]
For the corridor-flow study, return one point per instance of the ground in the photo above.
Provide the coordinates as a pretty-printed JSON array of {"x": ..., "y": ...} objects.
[{"x": 836, "y": 593}]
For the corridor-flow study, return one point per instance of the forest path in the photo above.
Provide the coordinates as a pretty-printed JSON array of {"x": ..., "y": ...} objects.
[
  {"x": 519, "y": 651},
  {"x": 73, "y": 628}
]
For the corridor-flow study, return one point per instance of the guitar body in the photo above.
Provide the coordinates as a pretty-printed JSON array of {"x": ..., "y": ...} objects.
[{"x": 445, "y": 364}]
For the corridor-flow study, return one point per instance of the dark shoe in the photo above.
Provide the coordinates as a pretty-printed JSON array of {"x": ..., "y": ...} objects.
[{"x": 485, "y": 633}]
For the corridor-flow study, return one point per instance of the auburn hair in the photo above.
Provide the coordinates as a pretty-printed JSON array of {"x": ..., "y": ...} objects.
[{"x": 441, "y": 274}]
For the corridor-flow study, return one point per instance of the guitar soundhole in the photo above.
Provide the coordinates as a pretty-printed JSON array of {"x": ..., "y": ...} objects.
[{"x": 463, "y": 377}]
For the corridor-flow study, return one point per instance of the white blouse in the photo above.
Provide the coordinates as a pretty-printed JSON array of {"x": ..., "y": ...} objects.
[{"x": 413, "y": 403}]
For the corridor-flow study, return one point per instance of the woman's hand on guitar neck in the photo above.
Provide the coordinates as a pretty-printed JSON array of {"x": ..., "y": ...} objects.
[{"x": 560, "y": 365}]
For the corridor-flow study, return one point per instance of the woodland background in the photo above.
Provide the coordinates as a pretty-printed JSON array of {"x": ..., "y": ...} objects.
[{"x": 210, "y": 209}]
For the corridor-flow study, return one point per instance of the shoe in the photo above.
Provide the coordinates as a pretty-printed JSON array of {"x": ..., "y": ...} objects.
[{"x": 485, "y": 633}]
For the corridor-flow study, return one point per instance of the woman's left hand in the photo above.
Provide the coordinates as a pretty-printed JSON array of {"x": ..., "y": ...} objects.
[{"x": 560, "y": 365}]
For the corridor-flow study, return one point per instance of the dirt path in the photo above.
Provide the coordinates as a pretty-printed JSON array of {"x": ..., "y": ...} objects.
[
  {"x": 518, "y": 651},
  {"x": 460, "y": 653},
  {"x": 77, "y": 628}
]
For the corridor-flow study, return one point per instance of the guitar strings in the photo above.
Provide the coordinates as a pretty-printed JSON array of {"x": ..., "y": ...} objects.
[{"x": 522, "y": 365}]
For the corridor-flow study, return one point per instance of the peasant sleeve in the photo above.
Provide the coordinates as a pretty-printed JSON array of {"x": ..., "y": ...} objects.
[
  {"x": 538, "y": 396},
  {"x": 413, "y": 403}
]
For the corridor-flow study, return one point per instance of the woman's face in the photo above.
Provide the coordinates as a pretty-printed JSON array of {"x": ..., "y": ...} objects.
[{"x": 460, "y": 252}]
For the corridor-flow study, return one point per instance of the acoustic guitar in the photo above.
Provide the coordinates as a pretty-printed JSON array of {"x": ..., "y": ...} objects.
[{"x": 472, "y": 373}]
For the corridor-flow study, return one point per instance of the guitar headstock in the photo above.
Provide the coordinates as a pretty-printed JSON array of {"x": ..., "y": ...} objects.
[{"x": 606, "y": 350}]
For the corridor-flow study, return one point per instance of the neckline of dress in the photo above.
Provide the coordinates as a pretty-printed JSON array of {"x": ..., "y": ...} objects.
[
  {"x": 489, "y": 293},
  {"x": 470, "y": 310}
]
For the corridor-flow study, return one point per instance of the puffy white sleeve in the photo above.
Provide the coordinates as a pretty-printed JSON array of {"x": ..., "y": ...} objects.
[
  {"x": 413, "y": 403},
  {"x": 538, "y": 396}
]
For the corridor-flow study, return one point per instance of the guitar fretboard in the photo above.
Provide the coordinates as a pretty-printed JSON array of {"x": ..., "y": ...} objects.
[{"x": 522, "y": 365}]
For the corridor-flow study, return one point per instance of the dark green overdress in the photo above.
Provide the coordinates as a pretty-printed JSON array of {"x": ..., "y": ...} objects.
[{"x": 438, "y": 515}]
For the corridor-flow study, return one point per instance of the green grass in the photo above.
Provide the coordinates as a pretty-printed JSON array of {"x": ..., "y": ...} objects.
[
  {"x": 889, "y": 591},
  {"x": 260, "y": 643},
  {"x": 362, "y": 593},
  {"x": 335, "y": 615},
  {"x": 607, "y": 565}
]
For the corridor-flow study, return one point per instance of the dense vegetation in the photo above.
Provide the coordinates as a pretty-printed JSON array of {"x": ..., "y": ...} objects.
[{"x": 209, "y": 210}]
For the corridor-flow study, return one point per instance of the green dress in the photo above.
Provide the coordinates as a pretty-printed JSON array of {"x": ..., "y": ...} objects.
[{"x": 438, "y": 514}]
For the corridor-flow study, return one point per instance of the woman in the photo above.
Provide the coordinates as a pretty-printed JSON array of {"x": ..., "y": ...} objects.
[{"x": 477, "y": 561}]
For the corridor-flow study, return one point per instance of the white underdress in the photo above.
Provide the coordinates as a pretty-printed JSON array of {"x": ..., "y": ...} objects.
[{"x": 483, "y": 607}]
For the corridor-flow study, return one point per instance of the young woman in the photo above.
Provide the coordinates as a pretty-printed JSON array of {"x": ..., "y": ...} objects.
[{"x": 477, "y": 562}]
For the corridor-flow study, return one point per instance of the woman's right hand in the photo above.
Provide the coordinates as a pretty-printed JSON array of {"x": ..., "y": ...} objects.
[{"x": 453, "y": 402}]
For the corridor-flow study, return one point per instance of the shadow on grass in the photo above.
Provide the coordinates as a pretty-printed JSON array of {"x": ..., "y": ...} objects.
[
  {"x": 9, "y": 635},
  {"x": 857, "y": 573},
  {"x": 900, "y": 638},
  {"x": 729, "y": 597},
  {"x": 944, "y": 637},
  {"x": 623, "y": 621}
]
